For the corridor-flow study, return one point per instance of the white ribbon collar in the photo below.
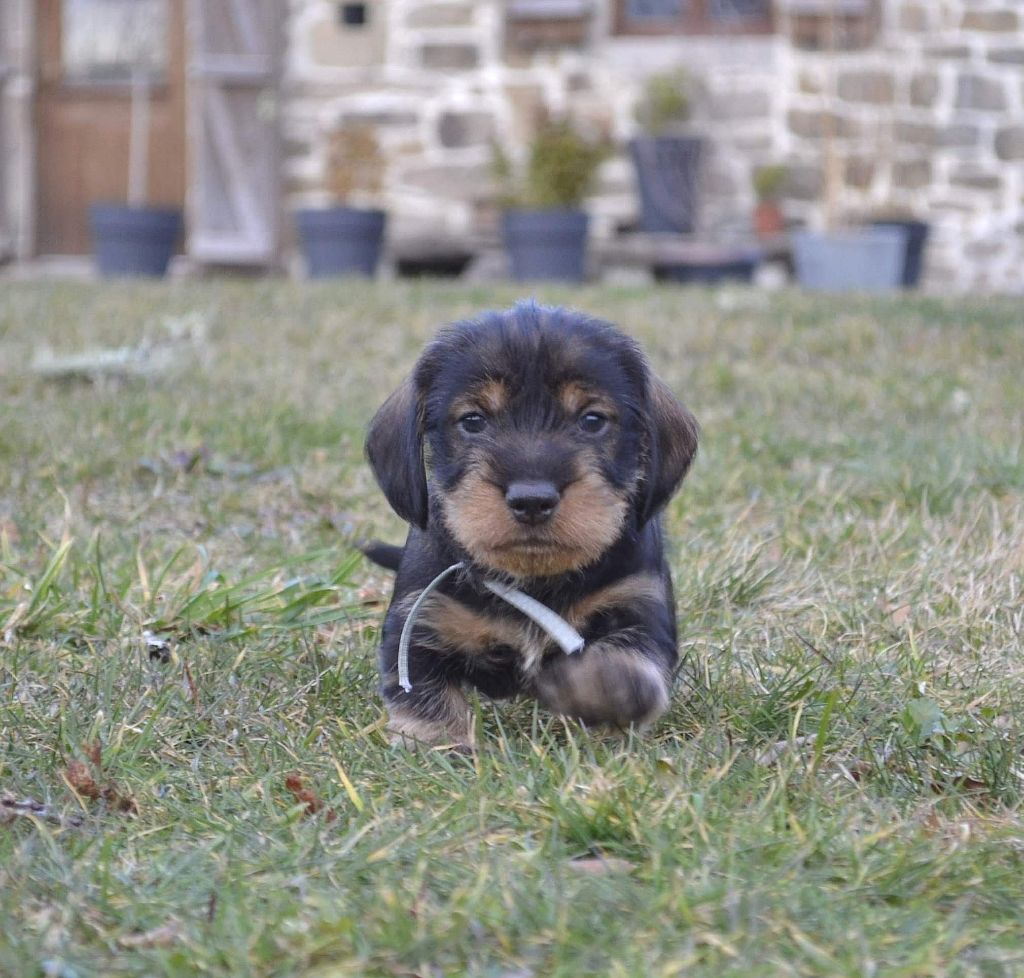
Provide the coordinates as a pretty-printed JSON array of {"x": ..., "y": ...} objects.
[{"x": 560, "y": 631}]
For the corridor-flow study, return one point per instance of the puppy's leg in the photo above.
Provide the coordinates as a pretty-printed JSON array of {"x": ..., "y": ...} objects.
[
  {"x": 434, "y": 711},
  {"x": 621, "y": 680},
  {"x": 432, "y": 714}
]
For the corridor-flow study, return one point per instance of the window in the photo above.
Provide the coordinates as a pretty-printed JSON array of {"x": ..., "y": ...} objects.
[
  {"x": 653, "y": 17},
  {"x": 107, "y": 40}
]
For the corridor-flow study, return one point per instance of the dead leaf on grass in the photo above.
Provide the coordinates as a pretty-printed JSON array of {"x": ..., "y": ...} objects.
[
  {"x": 598, "y": 865},
  {"x": 777, "y": 750},
  {"x": 313, "y": 802},
  {"x": 163, "y": 936},
  {"x": 85, "y": 778}
]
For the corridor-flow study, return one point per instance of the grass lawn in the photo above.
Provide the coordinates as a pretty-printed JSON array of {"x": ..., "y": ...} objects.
[{"x": 187, "y": 646}]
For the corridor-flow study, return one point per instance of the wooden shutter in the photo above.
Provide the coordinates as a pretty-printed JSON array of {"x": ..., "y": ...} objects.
[{"x": 235, "y": 190}]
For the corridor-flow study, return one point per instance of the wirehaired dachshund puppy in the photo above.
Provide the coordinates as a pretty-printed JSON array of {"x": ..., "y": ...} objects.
[{"x": 533, "y": 447}]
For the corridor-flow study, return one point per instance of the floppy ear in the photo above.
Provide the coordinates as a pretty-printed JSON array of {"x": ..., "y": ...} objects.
[
  {"x": 394, "y": 448},
  {"x": 672, "y": 443}
]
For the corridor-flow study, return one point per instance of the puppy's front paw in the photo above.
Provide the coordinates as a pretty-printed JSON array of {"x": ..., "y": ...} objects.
[
  {"x": 604, "y": 686},
  {"x": 412, "y": 731}
]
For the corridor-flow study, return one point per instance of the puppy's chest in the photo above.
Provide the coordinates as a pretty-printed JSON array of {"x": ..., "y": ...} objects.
[{"x": 495, "y": 636}]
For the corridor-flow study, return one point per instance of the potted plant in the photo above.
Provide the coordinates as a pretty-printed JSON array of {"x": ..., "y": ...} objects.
[
  {"x": 842, "y": 259},
  {"x": 134, "y": 238},
  {"x": 344, "y": 239},
  {"x": 666, "y": 159},
  {"x": 768, "y": 182},
  {"x": 544, "y": 227},
  {"x": 915, "y": 233}
]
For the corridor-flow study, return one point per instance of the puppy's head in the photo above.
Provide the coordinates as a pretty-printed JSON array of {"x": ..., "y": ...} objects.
[{"x": 537, "y": 436}]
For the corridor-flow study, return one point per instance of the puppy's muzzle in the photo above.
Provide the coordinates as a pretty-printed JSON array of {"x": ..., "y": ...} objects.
[{"x": 532, "y": 503}]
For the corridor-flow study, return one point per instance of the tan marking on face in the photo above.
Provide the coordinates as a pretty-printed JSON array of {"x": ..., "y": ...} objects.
[
  {"x": 573, "y": 396},
  {"x": 450, "y": 726},
  {"x": 606, "y": 684},
  {"x": 587, "y": 522},
  {"x": 641, "y": 588},
  {"x": 490, "y": 398},
  {"x": 576, "y": 397}
]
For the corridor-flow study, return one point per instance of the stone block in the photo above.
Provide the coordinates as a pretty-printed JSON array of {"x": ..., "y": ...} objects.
[
  {"x": 916, "y": 133},
  {"x": 813, "y": 125},
  {"x": 579, "y": 81},
  {"x": 810, "y": 83},
  {"x": 975, "y": 178},
  {"x": 1006, "y": 56},
  {"x": 440, "y": 15},
  {"x": 456, "y": 130},
  {"x": 911, "y": 174},
  {"x": 949, "y": 52},
  {"x": 959, "y": 136},
  {"x": 450, "y": 182},
  {"x": 924, "y": 90},
  {"x": 914, "y": 17},
  {"x": 978, "y": 92},
  {"x": 858, "y": 172},
  {"x": 955, "y": 136},
  {"x": 384, "y": 118},
  {"x": 331, "y": 44},
  {"x": 990, "y": 20},
  {"x": 450, "y": 57},
  {"x": 875, "y": 87},
  {"x": 739, "y": 106},
  {"x": 1010, "y": 143},
  {"x": 803, "y": 182}
]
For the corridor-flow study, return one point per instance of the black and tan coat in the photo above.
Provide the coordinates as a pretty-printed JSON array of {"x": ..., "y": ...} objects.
[{"x": 537, "y": 447}]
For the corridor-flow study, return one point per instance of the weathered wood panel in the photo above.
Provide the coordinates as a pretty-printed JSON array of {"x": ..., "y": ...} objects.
[{"x": 235, "y": 178}]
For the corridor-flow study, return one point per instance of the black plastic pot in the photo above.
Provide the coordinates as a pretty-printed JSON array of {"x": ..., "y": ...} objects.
[
  {"x": 667, "y": 171},
  {"x": 735, "y": 268},
  {"x": 341, "y": 240},
  {"x": 133, "y": 240},
  {"x": 916, "y": 235},
  {"x": 546, "y": 244}
]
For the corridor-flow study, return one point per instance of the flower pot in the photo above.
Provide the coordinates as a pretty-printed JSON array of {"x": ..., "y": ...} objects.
[
  {"x": 667, "y": 169},
  {"x": 133, "y": 240},
  {"x": 865, "y": 259},
  {"x": 711, "y": 270},
  {"x": 546, "y": 244},
  {"x": 913, "y": 257},
  {"x": 768, "y": 220},
  {"x": 341, "y": 240}
]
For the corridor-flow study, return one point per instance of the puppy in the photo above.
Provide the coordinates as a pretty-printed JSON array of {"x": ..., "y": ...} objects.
[{"x": 534, "y": 448}]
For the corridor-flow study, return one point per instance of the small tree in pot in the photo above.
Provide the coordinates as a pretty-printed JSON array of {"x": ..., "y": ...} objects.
[
  {"x": 768, "y": 219},
  {"x": 666, "y": 159},
  {"x": 544, "y": 226},
  {"x": 135, "y": 238},
  {"x": 343, "y": 239}
]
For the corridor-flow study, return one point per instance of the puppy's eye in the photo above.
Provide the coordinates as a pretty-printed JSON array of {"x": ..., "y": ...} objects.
[
  {"x": 472, "y": 423},
  {"x": 593, "y": 422}
]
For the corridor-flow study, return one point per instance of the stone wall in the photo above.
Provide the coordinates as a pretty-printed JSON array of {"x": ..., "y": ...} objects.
[{"x": 928, "y": 119}]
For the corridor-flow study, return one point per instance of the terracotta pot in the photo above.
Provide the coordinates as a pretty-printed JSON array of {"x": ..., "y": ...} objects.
[{"x": 768, "y": 220}]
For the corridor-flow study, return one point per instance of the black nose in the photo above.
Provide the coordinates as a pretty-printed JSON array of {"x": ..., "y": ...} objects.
[{"x": 532, "y": 502}]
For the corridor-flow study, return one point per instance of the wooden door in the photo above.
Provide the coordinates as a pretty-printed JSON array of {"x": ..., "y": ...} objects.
[
  {"x": 6, "y": 150},
  {"x": 87, "y": 52},
  {"x": 234, "y": 213}
]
